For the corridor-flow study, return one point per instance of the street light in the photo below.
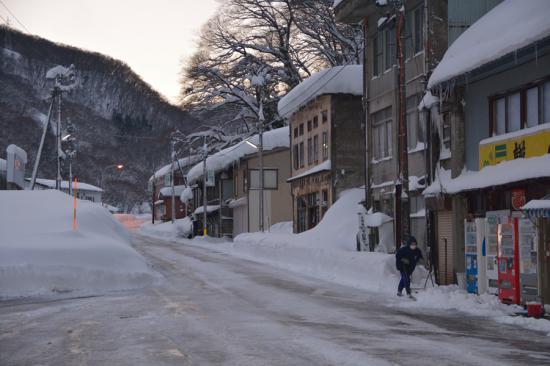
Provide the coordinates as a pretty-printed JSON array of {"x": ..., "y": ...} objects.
[{"x": 119, "y": 167}]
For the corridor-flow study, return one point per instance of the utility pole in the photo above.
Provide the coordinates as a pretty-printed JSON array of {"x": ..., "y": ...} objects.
[
  {"x": 55, "y": 92},
  {"x": 58, "y": 143},
  {"x": 261, "y": 120},
  {"x": 172, "y": 168},
  {"x": 204, "y": 201},
  {"x": 402, "y": 207}
]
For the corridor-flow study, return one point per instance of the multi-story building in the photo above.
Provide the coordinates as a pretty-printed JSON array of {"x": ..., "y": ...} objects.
[
  {"x": 497, "y": 101},
  {"x": 327, "y": 144},
  {"x": 429, "y": 27}
]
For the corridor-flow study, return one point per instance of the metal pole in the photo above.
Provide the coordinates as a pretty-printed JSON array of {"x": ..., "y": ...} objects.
[
  {"x": 43, "y": 138},
  {"x": 261, "y": 159},
  {"x": 58, "y": 142},
  {"x": 204, "y": 202},
  {"x": 153, "y": 200},
  {"x": 70, "y": 176},
  {"x": 173, "y": 188}
]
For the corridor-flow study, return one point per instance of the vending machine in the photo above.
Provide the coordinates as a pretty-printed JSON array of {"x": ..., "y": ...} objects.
[
  {"x": 493, "y": 218},
  {"x": 471, "y": 258},
  {"x": 508, "y": 262},
  {"x": 481, "y": 256},
  {"x": 528, "y": 243}
]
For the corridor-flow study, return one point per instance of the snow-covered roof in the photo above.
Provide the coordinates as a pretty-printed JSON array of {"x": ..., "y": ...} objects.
[
  {"x": 167, "y": 191},
  {"x": 50, "y": 183},
  {"x": 183, "y": 163},
  {"x": 537, "y": 205},
  {"x": 376, "y": 219},
  {"x": 277, "y": 138},
  {"x": 503, "y": 173},
  {"x": 336, "y": 80},
  {"x": 324, "y": 166},
  {"x": 209, "y": 209},
  {"x": 509, "y": 26}
]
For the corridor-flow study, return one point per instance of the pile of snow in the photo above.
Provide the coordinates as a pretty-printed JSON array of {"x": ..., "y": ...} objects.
[
  {"x": 41, "y": 254},
  {"x": 285, "y": 227},
  {"x": 488, "y": 40},
  {"x": 186, "y": 195},
  {"x": 454, "y": 298},
  {"x": 182, "y": 228},
  {"x": 503, "y": 173},
  {"x": 167, "y": 191},
  {"x": 327, "y": 251},
  {"x": 336, "y": 80},
  {"x": 277, "y": 138}
]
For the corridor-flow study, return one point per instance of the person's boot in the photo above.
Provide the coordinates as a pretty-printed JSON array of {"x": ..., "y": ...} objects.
[
  {"x": 411, "y": 296},
  {"x": 399, "y": 293}
]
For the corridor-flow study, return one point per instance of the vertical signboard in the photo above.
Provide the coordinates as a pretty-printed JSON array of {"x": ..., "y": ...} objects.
[
  {"x": 470, "y": 237},
  {"x": 528, "y": 243},
  {"x": 493, "y": 218},
  {"x": 508, "y": 262},
  {"x": 17, "y": 159}
]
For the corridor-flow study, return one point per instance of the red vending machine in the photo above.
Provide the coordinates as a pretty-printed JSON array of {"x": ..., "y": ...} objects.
[{"x": 508, "y": 262}]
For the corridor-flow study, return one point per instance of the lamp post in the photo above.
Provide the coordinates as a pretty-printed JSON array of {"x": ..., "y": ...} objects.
[{"x": 119, "y": 167}]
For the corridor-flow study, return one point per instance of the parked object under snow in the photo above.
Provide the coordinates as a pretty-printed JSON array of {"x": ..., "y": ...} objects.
[{"x": 508, "y": 27}]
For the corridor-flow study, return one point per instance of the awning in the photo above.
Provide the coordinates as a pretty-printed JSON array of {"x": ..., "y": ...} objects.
[
  {"x": 209, "y": 209},
  {"x": 323, "y": 167},
  {"x": 537, "y": 208},
  {"x": 243, "y": 201},
  {"x": 159, "y": 202}
]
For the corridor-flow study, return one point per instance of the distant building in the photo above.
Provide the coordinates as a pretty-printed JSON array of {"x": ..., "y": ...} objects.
[
  {"x": 3, "y": 173},
  {"x": 327, "y": 141},
  {"x": 84, "y": 191}
]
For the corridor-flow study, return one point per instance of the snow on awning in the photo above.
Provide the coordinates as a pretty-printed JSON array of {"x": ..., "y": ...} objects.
[
  {"x": 273, "y": 139},
  {"x": 538, "y": 208},
  {"x": 336, "y": 80},
  {"x": 159, "y": 202},
  {"x": 243, "y": 201},
  {"x": 209, "y": 209},
  {"x": 494, "y": 175},
  {"x": 167, "y": 191},
  {"x": 377, "y": 219},
  {"x": 509, "y": 26},
  {"x": 324, "y": 166}
]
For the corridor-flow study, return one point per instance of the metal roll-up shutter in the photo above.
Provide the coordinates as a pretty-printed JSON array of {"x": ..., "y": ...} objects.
[{"x": 445, "y": 247}]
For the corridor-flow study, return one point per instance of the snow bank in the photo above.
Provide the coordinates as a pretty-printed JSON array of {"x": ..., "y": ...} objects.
[
  {"x": 327, "y": 251},
  {"x": 336, "y": 80},
  {"x": 454, "y": 298},
  {"x": 182, "y": 228},
  {"x": 277, "y": 138},
  {"x": 41, "y": 254},
  {"x": 488, "y": 40}
]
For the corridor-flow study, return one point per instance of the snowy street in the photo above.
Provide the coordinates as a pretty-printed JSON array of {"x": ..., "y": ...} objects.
[{"x": 211, "y": 308}]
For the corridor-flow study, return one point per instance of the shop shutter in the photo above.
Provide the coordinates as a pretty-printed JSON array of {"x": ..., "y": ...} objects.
[{"x": 445, "y": 247}]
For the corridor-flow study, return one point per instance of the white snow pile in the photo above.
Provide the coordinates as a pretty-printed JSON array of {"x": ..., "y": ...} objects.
[
  {"x": 454, "y": 298},
  {"x": 487, "y": 39},
  {"x": 336, "y": 80},
  {"x": 327, "y": 252},
  {"x": 167, "y": 191},
  {"x": 40, "y": 254},
  {"x": 273, "y": 139},
  {"x": 493, "y": 175},
  {"x": 182, "y": 228}
]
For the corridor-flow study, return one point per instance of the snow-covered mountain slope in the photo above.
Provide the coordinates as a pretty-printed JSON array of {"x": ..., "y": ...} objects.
[{"x": 110, "y": 105}]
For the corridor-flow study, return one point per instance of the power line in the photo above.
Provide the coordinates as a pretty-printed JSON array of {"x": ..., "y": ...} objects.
[
  {"x": 4, "y": 19},
  {"x": 14, "y": 17}
]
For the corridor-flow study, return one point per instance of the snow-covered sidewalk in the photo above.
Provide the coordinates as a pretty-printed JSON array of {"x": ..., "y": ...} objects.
[{"x": 40, "y": 254}]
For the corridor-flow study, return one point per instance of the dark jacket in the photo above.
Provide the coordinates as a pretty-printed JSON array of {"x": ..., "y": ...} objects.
[{"x": 407, "y": 258}]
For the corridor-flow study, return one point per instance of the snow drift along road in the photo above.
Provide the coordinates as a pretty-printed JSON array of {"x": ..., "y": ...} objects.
[{"x": 40, "y": 254}]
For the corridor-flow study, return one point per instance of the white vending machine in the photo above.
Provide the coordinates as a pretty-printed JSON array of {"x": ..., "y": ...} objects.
[
  {"x": 493, "y": 219},
  {"x": 481, "y": 256}
]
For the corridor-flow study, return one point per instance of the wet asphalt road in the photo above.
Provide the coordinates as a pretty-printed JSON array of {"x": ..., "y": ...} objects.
[{"x": 213, "y": 309}]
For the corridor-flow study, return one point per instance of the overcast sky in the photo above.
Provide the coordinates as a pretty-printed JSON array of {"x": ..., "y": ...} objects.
[{"x": 153, "y": 37}]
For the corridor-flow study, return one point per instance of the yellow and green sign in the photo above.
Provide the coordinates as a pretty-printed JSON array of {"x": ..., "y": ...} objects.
[{"x": 533, "y": 142}]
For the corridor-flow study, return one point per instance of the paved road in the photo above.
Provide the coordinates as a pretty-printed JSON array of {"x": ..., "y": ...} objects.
[{"x": 214, "y": 309}]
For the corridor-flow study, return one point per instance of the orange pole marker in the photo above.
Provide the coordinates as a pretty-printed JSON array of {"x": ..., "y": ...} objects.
[{"x": 74, "y": 209}]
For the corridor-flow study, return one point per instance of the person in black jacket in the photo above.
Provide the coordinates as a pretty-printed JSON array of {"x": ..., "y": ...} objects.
[{"x": 406, "y": 259}]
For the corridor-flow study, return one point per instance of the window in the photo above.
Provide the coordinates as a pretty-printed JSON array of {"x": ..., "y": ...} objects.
[
  {"x": 308, "y": 126},
  {"x": 324, "y": 116},
  {"x": 418, "y": 29},
  {"x": 296, "y": 157},
  {"x": 408, "y": 34},
  {"x": 415, "y": 129},
  {"x": 316, "y": 148},
  {"x": 309, "y": 152},
  {"x": 390, "y": 49},
  {"x": 325, "y": 146},
  {"x": 295, "y": 132},
  {"x": 270, "y": 179},
  {"x": 301, "y": 154},
  {"x": 301, "y": 129},
  {"x": 378, "y": 55},
  {"x": 382, "y": 133},
  {"x": 524, "y": 107},
  {"x": 315, "y": 122}
]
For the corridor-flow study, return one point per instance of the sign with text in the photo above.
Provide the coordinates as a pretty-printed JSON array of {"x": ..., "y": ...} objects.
[{"x": 17, "y": 159}]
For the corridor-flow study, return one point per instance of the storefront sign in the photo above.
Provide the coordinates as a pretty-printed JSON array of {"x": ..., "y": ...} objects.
[
  {"x": 526, "y": 143},
  {"x": 518, "y": 198}
]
